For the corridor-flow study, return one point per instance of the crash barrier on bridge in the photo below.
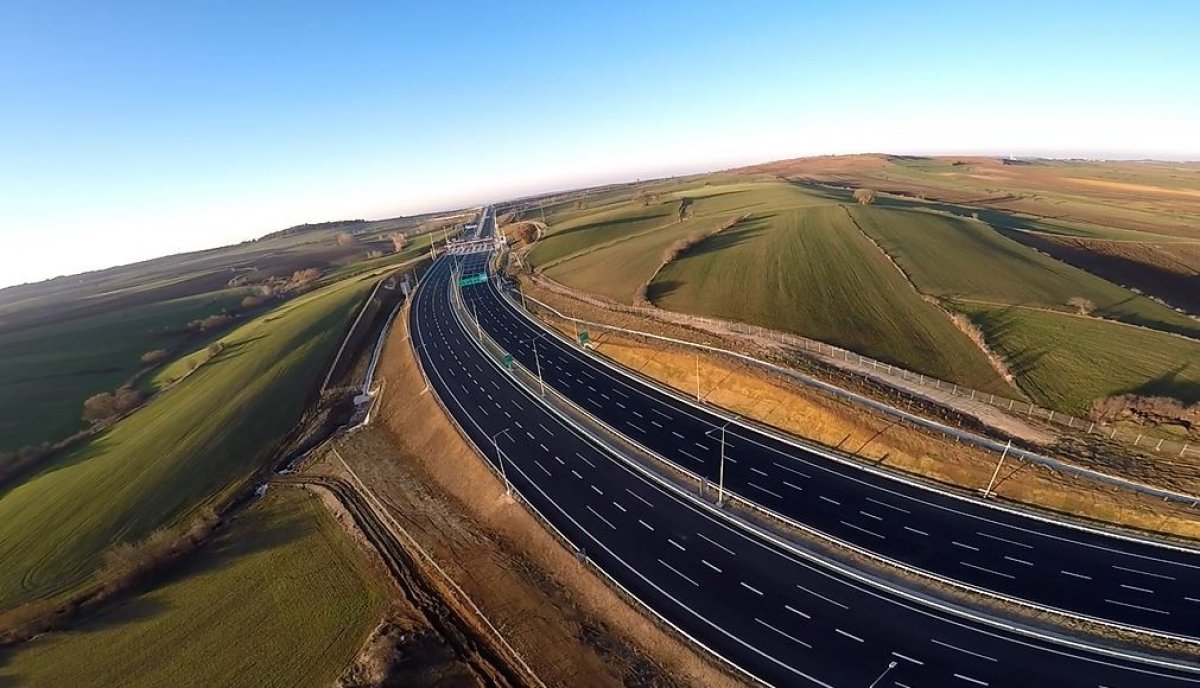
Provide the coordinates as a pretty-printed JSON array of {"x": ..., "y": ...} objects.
[
  {"x": 888, "y": 373},
  {"x": 900, "y": 415}
]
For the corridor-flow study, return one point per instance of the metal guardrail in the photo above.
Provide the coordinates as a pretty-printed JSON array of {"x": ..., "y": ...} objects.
[
  {"x": 869, "y": 365},
  {"x": 1183, "y": 498}
]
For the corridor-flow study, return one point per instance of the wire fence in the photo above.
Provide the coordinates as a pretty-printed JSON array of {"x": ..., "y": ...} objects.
[{"x": 891, "y": 374}]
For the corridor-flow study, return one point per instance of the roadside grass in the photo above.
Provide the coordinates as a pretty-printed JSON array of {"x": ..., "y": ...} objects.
[
  {"x": 1065, "y": 361},
  {"x": 282, "y": 598},
  {"x": 811, "y": 271},
  {"x": 191, "y": 445},
  {"x": 950, "y": 257},
  {"x": 47, "y": 372},
  {"x": 879, "y": 440}
]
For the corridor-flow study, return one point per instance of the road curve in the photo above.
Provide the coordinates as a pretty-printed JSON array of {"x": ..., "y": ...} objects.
[
  {"x": 1122, "y": 581},
  {"x": 777, "y": 617}
]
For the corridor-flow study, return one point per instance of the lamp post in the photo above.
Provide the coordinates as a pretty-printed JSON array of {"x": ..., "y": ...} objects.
[
  {"x": 500, "y": 458},
  {"x": 988, "y": 490},
  {"x": 891, "y": 665},
  {"x": 537, "y": 362},
  {"x": 721, "y": 466}
]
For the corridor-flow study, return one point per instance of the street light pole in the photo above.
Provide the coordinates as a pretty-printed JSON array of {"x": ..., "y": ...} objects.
[
  {"x": 697, "y": 377},
  {"x": 891, "y": 665},
  {"x": 500, "y": 459},
  {"x": 537, "y": 362},
  {"x": 477, "y": 325},
  {"x": 987, "y": 491},
  {"x": 721, "y": 465}
]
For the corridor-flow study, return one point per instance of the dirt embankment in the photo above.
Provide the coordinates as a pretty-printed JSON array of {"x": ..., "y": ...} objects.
[
  {"x": 564, "y": 621},
  {"x": 869, "y": 435}
]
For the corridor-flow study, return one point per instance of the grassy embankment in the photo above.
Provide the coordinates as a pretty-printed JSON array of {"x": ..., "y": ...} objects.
[
  {"x": 192, "y": 445},
  {"x": 282, "y": 598}
]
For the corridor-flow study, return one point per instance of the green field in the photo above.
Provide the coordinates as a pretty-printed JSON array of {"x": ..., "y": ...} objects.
[
  {"x": 47, "y": 372},
  {"x": 637, "y": 256},
  {"x": 66, "y": 339},
  {"x": 1064, "y": 361},
  {"x": 811, "y": 271},
  {"x": 192, "y": 443},
  {"x": 281, "y": 599},
  {"x": 955, "y": 258}
]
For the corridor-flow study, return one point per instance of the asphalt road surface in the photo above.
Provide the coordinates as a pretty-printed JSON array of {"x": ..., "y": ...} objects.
[
  {"x": 774, "y": 614},
  {"x": 1124, "y": 581}
]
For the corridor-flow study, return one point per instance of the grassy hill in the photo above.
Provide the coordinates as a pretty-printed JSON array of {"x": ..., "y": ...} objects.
[
  {"x": 812, "y": 261},
  {"x": 957, "y": 258},
  {"x": 811, "y": 271},
  {"x": 280, "y": 599},
  {"x": 1064, "y": 361},
  {"x": 65, "y": 339},
  {"x": 189, "y": 445}
]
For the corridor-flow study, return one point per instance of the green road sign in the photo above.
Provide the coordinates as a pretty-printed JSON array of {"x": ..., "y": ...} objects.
[
  {"x": 584, "y": 338},
  {"x": 508, "y": 361},
  {"x": 472, "y": 279}
]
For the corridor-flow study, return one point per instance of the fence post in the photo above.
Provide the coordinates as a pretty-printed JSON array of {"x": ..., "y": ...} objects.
[
  {"x": 1139, "y": 439},
  {"x": 1159, "y": 445},
  {"x": 1090, "y": 426},
  {"x": 1185, "y": 448}
]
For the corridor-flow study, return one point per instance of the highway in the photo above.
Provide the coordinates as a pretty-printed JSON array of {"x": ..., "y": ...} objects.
[
  {"x": 763, "y": 608},
  {"x": 1129, "y": 582}
]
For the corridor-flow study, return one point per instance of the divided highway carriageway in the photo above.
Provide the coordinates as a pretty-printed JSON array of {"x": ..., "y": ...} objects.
[
  {"x": 1130, "y": 582},
  {"x": 762, "y": 608}
]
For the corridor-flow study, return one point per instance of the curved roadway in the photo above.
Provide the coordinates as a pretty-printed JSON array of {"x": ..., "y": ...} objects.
[{"x": 768, "y": 611}]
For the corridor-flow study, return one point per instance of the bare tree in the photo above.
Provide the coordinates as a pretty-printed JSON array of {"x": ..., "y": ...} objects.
[
  {"x": 864, "y": 196},
  {"x": 99, "y": 407},
  {"x": 1082, "y": 305},
  {"x": 345, "y": 239},
  {"x": 525, "y": 232},
  {"x": 154, "y": 357},
  {"x": 399, "y": 241}
]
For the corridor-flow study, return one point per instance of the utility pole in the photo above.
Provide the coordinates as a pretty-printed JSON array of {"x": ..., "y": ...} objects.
[
  {"x": 477, "y": 325},
  {"x": 988, "y": 490},
  {"x": 697, "y": 377},
  {"x": 500, "y": 459}
]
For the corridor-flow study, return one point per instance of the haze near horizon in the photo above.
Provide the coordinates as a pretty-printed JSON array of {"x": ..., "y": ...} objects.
[{"x": 134, "y": 131}]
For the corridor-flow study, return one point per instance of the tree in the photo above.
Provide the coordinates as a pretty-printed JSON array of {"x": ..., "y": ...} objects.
[
  {"x": 1083, "y": 305},
  {"x": 346, "y": 239},
  {"x": 399, "y": 241},
  {"x": 525, "y": 232},
  {"x": 864, "y": 196},
  {"x": 685, "y": 208},
  {"x": 154, "y": 357},
  {"x": 99, "y": 407},
  {"x": 302, "y": 277},
  {"x": 252, "y": 302}
]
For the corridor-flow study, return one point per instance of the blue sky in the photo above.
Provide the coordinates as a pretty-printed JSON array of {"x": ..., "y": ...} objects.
[{"x": 133, "y": 129}]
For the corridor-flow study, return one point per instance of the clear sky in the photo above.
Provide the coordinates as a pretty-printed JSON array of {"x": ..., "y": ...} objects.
[{"x": 134, "y": 129}]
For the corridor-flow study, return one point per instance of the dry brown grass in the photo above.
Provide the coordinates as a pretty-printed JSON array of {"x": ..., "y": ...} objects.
[
  {"x": 873, "y": 437},
  {"x": 564, "y": 620}
]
